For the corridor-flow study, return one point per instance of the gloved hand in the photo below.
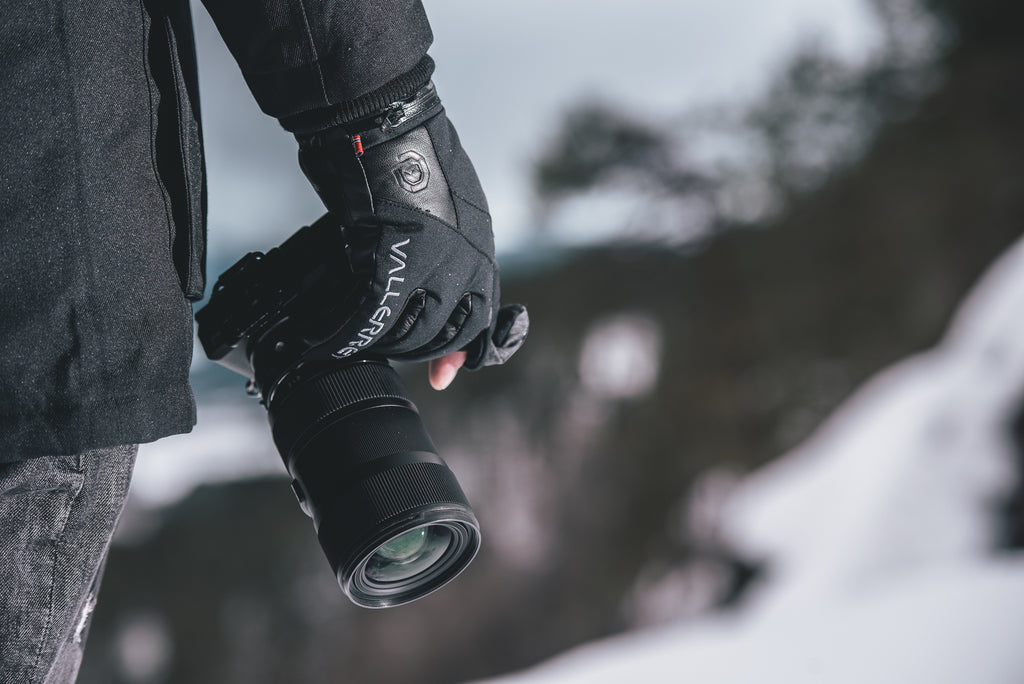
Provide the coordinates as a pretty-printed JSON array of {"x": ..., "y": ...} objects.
[{"x": 419, "y": 233}]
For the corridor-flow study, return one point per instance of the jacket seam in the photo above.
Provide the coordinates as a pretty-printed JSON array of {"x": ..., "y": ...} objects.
[
  {"x": 152, "y": 131},
  {"x": 182, "y": 145},
  {"x": 81, "y": 329},
  {"x": 312, "y": 48}
]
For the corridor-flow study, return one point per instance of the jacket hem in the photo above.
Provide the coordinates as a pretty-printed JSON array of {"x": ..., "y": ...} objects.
[{"x": 103, "y": 422}]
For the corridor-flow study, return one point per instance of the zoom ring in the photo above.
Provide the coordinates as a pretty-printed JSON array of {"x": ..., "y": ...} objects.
[{"x": 319, "y": 397}]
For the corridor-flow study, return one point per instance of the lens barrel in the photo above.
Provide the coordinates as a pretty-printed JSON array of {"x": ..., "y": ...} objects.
[{"x": 389, "y": 513}]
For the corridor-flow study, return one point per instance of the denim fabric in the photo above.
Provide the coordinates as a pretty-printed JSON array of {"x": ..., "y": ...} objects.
[{"x": 57, "y": 517}]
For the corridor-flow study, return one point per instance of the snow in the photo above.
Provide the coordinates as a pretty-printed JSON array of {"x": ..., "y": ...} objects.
[
  {"x": 231, "y": 441},
  {"x": 947, "y": 625},
  {"x": 144, "y": 648},
  {"x": 621, "y": 356},
  {"x": 879, "y": 534}
]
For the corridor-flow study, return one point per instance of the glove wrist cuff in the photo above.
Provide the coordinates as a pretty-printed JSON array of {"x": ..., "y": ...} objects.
[
  {"x": 397, "y": 118},
  {"x": 368, "y": 106}
]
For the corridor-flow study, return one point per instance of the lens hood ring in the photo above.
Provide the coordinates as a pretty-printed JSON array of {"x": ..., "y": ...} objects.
[{"x": 463, "y": 545}]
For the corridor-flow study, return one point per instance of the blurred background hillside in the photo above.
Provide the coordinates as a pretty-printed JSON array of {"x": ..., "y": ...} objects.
[{"x": 724, "y": 218}]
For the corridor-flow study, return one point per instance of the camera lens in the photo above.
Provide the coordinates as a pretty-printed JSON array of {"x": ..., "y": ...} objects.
[
  {"x": 408, "y": 554},
  {"x": 389, "y": 514},
  {"x": 403, "y": 568}
]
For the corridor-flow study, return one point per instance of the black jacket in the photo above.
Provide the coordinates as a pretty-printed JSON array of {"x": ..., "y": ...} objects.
[{"x": 102, "y": 189}]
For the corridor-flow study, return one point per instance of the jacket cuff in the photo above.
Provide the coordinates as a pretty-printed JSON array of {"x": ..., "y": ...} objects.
[{"x": 368, "y": 105}]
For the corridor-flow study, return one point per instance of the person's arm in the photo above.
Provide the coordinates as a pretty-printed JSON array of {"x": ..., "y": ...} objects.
[
  {"x": 318, "y": 57},
  {"x": 351, "y": 80}
]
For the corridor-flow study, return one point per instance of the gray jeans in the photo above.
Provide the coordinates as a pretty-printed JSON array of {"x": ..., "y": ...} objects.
[{"x": 57, "y": 517}]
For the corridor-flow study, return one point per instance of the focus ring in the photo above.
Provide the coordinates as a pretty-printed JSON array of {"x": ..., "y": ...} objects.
[{"x": 319, "y": 397}]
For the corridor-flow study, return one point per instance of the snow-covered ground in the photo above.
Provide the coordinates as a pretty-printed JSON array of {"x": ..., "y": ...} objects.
[
  {"x": 231, "y": 441},
  {"x": 879, "y": 534}
]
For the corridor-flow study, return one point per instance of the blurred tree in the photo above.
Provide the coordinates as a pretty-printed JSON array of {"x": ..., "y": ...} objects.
[
  {"x": 599, "y": 146},
  {"x": 890, "y": 184},
  {"x": 816, "y": 118},
  {"x": 980, "y": 24}
]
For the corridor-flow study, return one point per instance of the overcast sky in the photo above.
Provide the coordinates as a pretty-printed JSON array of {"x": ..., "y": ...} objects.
[{"x": 506, "y": 70}]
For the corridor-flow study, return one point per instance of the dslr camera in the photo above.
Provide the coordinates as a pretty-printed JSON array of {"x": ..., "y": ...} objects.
[{"x": 388, "y": 512}]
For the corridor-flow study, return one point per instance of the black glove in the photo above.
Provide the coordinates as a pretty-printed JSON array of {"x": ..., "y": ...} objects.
[{"x": 418, "y": 230}]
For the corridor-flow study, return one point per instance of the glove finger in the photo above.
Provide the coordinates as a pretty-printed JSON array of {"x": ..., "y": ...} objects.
[
  {"x": 433, "y": 336},
  {"x": 453, "y": 326},
  {"x": 389, "y": 304},
  {"x": 496, "y": 345},
  {"x": 449, "y": 320},
  {"x": 422, "y": 329},
  {"x": 442, "y": 342},
  {"x": 352, "y": 335},
  {"x": 483, "y": 303},
  {"x": 407, "y": 319}
]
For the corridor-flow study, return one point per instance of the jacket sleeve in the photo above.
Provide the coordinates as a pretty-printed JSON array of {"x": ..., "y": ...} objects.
[{"x": 311, "y": 61}]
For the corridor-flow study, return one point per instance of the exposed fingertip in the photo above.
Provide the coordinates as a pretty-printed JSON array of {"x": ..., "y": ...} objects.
[
  {"x": 443, "y": 371},
  {"x": 442, "y": 376}
]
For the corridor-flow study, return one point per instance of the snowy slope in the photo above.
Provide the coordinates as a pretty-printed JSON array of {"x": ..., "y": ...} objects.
[{"x": 879, "y": 534}]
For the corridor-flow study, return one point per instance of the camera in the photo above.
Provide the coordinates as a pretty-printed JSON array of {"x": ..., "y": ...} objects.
[{"x": 389, "y": 514}]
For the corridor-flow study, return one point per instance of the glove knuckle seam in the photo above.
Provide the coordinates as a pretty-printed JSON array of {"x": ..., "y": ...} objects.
[
  {"x": 455, "y": 229},
  {"x": 410, "y": 207},
  {"x": 470, "y": 202}
]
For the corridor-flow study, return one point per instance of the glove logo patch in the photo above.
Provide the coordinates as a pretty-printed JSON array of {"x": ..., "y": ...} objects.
[{"x": 412, "y": 172}]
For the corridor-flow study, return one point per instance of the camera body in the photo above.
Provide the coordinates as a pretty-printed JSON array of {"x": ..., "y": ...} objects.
[
  {"x": 271, "y": 313},
  {"x": 389, "y": 514}
]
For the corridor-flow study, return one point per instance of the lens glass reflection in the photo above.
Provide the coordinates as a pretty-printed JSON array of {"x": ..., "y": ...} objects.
[{"x": 408, "y": 554}]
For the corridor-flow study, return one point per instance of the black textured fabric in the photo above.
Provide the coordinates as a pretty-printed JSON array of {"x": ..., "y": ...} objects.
[
  {"x": 418, "y": 230},
  {"x": 101, "y": 197},
  {"x": 415, "y": 220},
  {"x": 303, "y": 56},
  {"x": 396, "y": 90},
  {"x": 102, "y": 191}
]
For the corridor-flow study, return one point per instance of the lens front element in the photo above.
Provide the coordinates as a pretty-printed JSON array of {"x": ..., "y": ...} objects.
[
  {"x": 408, "y": 554},
  {"x": 415, "y": 562}
]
